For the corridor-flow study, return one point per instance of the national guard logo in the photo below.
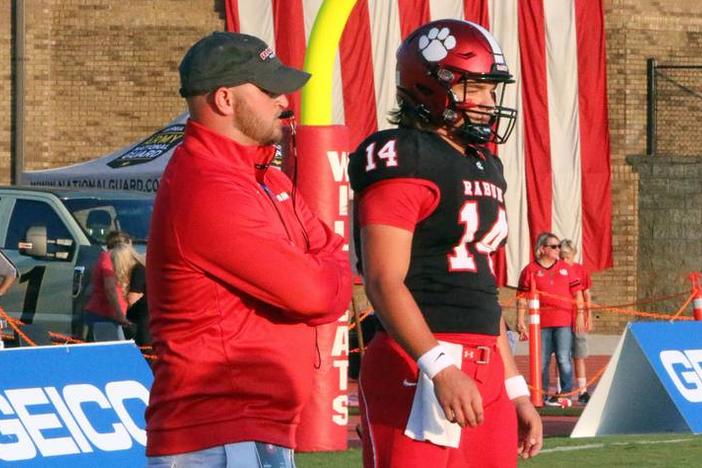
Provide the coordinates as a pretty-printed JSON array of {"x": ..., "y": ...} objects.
[{"x": 151, "y": 148}]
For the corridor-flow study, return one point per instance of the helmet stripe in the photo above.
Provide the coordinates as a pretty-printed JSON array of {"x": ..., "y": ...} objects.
[{"x": 496, "y": 49}]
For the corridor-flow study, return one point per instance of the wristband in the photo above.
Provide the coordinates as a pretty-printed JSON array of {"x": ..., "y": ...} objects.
[
  {"x": 516, "y": 387},
  {"x": 434, "y": 361}
]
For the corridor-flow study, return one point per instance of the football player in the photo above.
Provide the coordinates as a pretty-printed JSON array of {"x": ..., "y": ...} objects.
[{"x": 429, "y": 215}]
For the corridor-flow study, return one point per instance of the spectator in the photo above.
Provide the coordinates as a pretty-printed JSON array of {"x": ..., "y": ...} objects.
[
  {"x": 557, "y": 285},
  {"x": 107, "y": 305},
  {"x": 125, "y": 261},
  {"x": 8, "y": 273},
  {"x": 580, "y": 348},
  {"x": 429, "y": 215},
  {"x": 138, "y": 310},
  {"x": 239, "y": 270}
]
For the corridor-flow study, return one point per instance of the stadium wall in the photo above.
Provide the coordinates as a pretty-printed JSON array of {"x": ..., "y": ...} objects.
[{"x": 100, "y": 74}]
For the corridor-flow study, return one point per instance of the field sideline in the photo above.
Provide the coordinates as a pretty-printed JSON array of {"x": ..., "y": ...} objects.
[{"x": 655, "y": 450}]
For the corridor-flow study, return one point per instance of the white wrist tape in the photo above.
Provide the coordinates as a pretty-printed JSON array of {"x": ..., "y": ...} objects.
[
  {"x": 434, "y": 361},
  {"x": 516, "y": 387}
]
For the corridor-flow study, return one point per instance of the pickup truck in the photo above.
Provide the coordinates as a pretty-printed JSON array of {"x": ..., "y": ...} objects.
[{"x": 53, "y": 236}]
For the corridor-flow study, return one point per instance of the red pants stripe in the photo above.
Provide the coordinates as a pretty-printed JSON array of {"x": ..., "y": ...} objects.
[{"x": 386, "y": 394}]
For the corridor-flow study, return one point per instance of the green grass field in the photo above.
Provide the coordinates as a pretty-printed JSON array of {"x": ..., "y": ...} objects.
[{"x": 676, "y": 450}]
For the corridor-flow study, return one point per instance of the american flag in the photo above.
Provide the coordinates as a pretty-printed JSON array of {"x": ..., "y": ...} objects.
[{"x": 557, "y": 161}]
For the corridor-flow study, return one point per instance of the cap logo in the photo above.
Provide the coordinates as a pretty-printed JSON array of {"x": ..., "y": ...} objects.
[
  {"x": 436, "y": 44},
  {"x": 266, "y": 53}
]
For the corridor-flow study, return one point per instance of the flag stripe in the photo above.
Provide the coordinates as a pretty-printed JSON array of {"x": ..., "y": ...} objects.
[
  {"x": 256, "y": 19},
  {"x": 535, "y": 107},
  {"x": 594, "y": 135},
  {"x": 231, "y": 13},
  {"x": 440, "y": 9},
  {"x": 290, "y": 39},
  {"x": 413, "y": 13},
  {"x": 385, "y": 35},
  {"x": 564, "y": 133},
  {"x": 477, "y": 11},
  {"x": 357, "y": 75}
]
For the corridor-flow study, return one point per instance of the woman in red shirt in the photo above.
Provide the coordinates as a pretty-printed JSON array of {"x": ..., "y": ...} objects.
[
  {"x": 107, "y": 304},
  {"x": 557, "y": 286}
]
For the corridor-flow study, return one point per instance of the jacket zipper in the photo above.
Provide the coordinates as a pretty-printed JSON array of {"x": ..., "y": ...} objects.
[{"x": 271, "y": 197}]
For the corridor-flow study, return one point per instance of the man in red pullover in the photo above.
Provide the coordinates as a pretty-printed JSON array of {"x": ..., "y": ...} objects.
[{"x": 239, "y": 270}]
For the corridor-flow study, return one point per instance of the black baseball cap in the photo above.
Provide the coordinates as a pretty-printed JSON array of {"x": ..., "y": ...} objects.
[{"x": 231, "y": 59}]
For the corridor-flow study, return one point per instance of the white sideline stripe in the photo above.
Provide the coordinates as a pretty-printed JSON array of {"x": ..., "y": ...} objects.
[{"x": 613, "y": 444}]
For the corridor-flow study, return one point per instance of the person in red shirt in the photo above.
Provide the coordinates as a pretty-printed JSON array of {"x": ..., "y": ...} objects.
[
  {"x": 558, "y": 289},
  {"x": 438, "y": 384},
  {"x": 105, "y": 310},
  {"x": 580, "y": 349},
  {"x": 239, "y": 270},
  {"x": 8, "y": 273}
]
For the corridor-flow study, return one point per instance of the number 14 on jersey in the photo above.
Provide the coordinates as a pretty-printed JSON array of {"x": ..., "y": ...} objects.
[{"x": 460, "y": 259}]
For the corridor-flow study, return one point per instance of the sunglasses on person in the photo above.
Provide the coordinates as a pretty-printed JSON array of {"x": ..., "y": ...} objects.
[{"x": 554, "y": 247}]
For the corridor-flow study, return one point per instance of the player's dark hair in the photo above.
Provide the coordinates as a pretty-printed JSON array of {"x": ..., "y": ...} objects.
[{"x": 405, "y": 115}]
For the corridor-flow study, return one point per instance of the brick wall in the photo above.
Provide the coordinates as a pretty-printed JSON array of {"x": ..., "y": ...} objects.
[
  {"x": 101, "y": 73},
  {"x": 670, "y": 215},
  {"x": 96, "y": 61}
]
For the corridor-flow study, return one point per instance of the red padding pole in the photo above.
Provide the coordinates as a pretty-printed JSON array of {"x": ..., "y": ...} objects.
[
  {"x": 322, "y": 158},
  {"x": 535, "y": 346},
  {"x": 697, "y": 295}
]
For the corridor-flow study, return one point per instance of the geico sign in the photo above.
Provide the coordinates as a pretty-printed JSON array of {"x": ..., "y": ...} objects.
[
  {"x": 26, "y": 426},
  {"x": 684, "y": 370}
]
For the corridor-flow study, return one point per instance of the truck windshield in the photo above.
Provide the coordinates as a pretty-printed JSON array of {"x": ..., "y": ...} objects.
[{"x": 99, "y": 216}]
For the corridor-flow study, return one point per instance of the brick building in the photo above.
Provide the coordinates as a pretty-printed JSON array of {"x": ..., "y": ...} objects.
[{"x": 89, "y": 62}]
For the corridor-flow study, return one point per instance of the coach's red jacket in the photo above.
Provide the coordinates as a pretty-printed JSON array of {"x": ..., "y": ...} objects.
[{"x": 233, "y": 296}]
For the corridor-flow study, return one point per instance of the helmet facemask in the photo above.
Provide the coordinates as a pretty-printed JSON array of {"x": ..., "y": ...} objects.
[{"x": 474, "y": 123}]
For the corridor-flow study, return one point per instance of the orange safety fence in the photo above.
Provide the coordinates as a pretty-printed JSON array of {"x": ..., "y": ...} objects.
[
  {"x": 624, "y": 311},
  {"x": 56, "y": 338},
  {"x": 362, "y": 315},
  {"x": 14, "y": 324},
  {"x": 510, "y": 303}
]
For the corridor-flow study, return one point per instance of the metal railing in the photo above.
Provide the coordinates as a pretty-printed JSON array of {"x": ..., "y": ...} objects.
[{"x": 674, "y": 104}]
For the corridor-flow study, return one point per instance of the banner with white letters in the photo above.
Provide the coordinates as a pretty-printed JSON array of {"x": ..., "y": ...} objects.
[
  {"x": 73, "y": 406},
  {"x": 653, "y": 383}
]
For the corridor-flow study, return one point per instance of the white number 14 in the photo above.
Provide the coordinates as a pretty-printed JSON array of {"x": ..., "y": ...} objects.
[
  {"x": 387, "y": 153},
  {"x": 462, "y": 260}
]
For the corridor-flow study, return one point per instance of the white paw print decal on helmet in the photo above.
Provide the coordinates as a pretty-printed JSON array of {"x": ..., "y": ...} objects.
[{"x": 436, "y": 44}]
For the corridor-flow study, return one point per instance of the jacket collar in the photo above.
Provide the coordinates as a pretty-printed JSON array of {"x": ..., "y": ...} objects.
[{"x": 201, "y": 139}]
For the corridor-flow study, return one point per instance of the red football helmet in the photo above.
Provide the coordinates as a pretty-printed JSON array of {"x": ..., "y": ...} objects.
[{"x": 440, "y": 54}]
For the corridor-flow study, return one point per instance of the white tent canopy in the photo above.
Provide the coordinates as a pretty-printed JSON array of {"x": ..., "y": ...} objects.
[{"x": 137, "y": 167}]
